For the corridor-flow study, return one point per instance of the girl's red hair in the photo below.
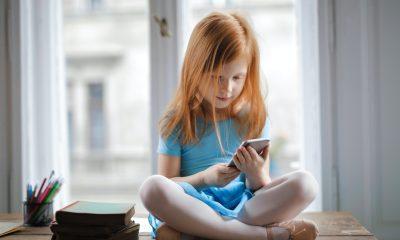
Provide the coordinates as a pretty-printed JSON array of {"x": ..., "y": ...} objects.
[{"x": 217, "y": 39}]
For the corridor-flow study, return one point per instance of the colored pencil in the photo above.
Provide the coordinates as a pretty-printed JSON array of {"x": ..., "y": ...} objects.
[{"x": 41, "y": 196}]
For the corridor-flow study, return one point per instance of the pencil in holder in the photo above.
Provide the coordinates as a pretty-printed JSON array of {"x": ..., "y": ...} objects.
[{"x": 38, "y": 214}]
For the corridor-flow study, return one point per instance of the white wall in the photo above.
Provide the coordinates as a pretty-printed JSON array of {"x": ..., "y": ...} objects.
[{"x": 367, "y": 87}]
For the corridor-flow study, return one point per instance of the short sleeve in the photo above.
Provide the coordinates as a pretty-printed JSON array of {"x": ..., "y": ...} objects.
[
  {"x": 266, "y": 130},
  {"x": 169, "y": 146}
]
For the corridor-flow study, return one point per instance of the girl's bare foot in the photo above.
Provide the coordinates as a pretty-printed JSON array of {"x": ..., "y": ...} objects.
[{"x": 296, "y": 230}]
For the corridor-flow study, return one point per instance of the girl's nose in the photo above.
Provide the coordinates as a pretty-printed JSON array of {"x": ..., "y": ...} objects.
[{"x": 226, "y": 85}]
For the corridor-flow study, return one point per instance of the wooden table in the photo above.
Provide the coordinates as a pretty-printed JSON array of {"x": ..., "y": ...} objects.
[{"x": 332, "y": 225}]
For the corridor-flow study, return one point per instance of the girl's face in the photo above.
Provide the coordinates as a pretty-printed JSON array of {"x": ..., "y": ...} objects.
[{"x": 230, "y": 83}]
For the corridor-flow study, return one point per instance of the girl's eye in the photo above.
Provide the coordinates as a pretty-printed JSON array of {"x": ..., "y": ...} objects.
[
  {"x": 237, "y": 78},
  {"x": 219, "y": 78}
]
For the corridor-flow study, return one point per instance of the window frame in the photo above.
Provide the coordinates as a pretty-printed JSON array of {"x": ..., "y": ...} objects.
[{"x": 165, "y": 62}]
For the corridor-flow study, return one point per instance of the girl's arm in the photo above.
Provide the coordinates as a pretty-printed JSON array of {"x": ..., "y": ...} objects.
[{"x": 169, "y": 166}]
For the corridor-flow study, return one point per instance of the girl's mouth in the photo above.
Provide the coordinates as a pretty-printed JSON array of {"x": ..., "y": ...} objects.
[{"x": 223, "y": 98}]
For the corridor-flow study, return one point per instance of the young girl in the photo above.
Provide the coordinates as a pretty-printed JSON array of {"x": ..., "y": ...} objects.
[{"x": 219, "y": 104}]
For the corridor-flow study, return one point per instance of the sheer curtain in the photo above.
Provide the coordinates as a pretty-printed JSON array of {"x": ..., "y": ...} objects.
[{"x": 36, "y": 115}]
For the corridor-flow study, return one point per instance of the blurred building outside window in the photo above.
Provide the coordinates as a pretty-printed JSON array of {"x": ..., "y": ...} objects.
[{"x": 107, "y": 76}]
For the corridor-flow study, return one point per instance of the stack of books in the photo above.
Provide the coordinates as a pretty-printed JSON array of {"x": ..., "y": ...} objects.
[{"x": 83, "y": 220}]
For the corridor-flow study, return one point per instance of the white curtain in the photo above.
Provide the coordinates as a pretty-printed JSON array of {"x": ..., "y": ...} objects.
[{"x": 37, "y": 121}]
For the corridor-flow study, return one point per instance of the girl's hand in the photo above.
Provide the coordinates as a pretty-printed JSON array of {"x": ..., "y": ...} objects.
[
  {"x": 219, "y": 175},
  {"x": 249, "y": 162}
]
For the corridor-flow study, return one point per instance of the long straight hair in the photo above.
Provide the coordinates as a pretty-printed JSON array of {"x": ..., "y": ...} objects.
[{"x": 217, "y": 39}]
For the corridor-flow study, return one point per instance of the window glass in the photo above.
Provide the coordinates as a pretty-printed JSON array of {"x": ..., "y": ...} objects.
[{"x": 107, "y": 73}]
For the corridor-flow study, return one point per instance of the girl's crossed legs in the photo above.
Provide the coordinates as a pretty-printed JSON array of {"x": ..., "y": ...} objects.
[{"x": 283, "y": 199}]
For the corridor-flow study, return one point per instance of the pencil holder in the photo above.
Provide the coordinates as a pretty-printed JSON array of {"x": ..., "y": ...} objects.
[{"x": 38, "y": 214}]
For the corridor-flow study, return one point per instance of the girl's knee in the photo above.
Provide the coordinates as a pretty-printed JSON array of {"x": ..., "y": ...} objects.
[
  {"x": 304, "y": 185},
  {"x": 152, "y": 190}
]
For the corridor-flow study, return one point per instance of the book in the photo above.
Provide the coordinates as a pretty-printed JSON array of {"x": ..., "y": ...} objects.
[
  {"x": 9, "y": 227},
  {"x": 128, "y": 233},
  {"x": 96, "y": 214},
  {"x": 88, "y": 231}
]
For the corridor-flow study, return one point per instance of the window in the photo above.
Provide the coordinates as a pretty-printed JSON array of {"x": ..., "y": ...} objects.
[
  {"x": 107, "y": 70},
  {"x": 70, "y": 116},
  {"x": 96, "y": 4},
  {"x": 96, "y": 117},
  {"x": 274, "y": 23},
  {"x": 80, "y": 38}
]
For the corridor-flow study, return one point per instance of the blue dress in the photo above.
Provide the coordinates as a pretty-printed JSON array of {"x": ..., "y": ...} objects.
[{"x": 227, "y": 200}]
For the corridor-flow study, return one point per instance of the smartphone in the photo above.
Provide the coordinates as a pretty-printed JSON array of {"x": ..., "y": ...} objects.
[{"x": 258, "y": 144}]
